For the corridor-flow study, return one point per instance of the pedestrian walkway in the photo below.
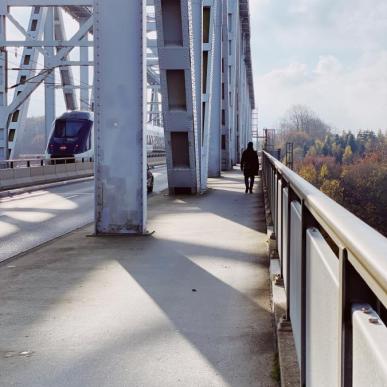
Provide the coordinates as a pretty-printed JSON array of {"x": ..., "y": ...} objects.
[{"x": 187, "y": 306}]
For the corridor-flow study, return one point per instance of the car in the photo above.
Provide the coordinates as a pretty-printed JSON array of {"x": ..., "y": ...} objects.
[{"x": 149, "y": 180}]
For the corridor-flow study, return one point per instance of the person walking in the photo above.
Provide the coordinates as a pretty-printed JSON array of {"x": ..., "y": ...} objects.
[{"x": 249, "y": 166}]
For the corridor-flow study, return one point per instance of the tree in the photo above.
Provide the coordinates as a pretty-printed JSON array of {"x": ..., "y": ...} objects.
[
  {"x": 301, "y": 118},
  {"x": 333, "y": 189},
  {"x": 365, "y": 187},
  {"x": 348, "y": 155},
  {"x": 309, "y": 173}
]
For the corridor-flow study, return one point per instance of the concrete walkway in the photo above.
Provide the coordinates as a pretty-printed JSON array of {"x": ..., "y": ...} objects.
[{"x": 188, "y": 306}]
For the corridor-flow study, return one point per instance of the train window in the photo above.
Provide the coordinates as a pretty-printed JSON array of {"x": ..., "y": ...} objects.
[{"x": 71, "y": 129}]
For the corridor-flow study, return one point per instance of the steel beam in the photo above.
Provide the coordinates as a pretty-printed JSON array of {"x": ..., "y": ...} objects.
[
  {"x": 47, "y": 3},
  {"x": 3, "y": 92},
  {"x": 66, "y": 73},
  {"x": 179, "y": 30},
  {"x": 84, "y": 73},
  {"x": 28, "y": 63},
  {"x": 49, "y": 82},
  {"x": 214, "y": 155},
  {"x": 120, "y": 89}
]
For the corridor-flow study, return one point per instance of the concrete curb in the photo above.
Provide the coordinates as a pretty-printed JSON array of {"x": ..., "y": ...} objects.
[
  {"x": 20, "y": 191},
  {"x": 287, "y": 356}
]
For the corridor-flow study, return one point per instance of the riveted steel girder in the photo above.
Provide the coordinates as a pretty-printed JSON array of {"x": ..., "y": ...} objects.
[{"x": 120, "y": 87}]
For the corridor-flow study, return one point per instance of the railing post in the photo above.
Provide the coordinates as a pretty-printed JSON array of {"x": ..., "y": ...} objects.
[
  {"x": 353, "y": 289},
  {"x": 291, "y": 197},
  {"x": 307, "y": 221},
  {"x": 345, "y": 326},
  {"x": 281, "y": 247}
]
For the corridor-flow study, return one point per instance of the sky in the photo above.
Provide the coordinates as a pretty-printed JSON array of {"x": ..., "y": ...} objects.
[{"x": 330, "y": 55}]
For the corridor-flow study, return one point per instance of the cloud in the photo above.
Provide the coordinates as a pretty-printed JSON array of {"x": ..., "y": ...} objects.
[
  {"x": 347, "y": 98},
  {"x": 328, "y": 65},
  {"x": 328, "y": 54}
]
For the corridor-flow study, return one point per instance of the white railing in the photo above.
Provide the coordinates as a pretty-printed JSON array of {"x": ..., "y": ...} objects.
[{"x": 334, "y": 268}]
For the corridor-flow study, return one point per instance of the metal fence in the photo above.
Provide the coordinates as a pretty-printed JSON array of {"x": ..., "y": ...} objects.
[
  {"x": 22, "y": 173},
  {"x": 334, "y": 268}
]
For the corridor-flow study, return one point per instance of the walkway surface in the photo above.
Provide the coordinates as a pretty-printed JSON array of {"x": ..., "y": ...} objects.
[
  {"x": 27, "y": 220},
  {"x": 188, "y": 306}
]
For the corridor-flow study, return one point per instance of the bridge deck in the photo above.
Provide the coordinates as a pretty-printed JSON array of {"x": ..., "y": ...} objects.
[{"x": 187, "y": 306}]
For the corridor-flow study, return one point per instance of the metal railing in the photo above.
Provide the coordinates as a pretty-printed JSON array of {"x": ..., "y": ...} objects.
[
  {"x": 334, "y": 269},
  {"x": 30, "y": 162},
  {"x": 28, "y": 172},
  {"x": 40, "y": 162}
]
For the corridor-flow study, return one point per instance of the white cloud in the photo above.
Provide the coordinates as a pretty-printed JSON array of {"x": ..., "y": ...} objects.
[
  {"x": 347, "y": 98},
  {"x": 328, "y": 54},
  {"x": 328, "y": 65}
]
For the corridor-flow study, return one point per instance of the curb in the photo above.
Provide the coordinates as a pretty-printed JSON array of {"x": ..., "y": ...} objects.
[
  {"x": 20, "y": 191},
  {"x": 287, "y": 356}
]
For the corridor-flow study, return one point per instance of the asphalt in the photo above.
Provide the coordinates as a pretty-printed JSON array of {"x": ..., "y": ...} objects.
[
  {"x": 32, "y": 218},
  {"x": 187, "y": 306}
]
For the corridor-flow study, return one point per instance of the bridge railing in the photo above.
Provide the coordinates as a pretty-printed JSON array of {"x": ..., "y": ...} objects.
[
  {"x": 334, "y": 268},
  {"x": 26, "y": 172}
]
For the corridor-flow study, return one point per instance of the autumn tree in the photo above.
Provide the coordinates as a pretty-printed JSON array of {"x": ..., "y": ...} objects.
[{"x": 348, "y": 155}]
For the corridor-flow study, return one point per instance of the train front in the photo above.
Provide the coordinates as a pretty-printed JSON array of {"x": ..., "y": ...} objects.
[{"x": 71, "y": 136}]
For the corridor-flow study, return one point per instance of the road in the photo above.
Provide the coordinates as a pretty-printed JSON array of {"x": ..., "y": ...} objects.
[{"x": 28, "y": 220}]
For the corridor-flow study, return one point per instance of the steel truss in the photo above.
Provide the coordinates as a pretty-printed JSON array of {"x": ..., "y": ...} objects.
[{"x": 46, "y": 34}]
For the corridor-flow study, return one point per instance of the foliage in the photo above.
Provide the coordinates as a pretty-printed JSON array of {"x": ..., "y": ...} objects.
[{"x": 351, "y": 169}]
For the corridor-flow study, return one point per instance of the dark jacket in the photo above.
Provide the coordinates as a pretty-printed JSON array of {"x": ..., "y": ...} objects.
[{"x": 250, "y": 163}]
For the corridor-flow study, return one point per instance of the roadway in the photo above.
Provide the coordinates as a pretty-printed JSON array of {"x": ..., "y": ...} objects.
[{"x": 31, "y": 219}]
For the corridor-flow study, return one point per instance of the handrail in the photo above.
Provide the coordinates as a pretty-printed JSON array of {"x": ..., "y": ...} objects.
[
  {"x": 40, "y": 162},
  {"x": 367, "y": 246}
]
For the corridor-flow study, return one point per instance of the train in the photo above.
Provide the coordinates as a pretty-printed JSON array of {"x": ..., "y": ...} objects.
[{"x": 72, "y": 136}]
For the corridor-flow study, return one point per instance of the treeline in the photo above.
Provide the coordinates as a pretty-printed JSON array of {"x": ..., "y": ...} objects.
[{"x": 350, "y": 168}]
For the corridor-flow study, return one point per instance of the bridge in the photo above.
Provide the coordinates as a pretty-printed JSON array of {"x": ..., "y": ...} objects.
[{"x": 197, "y": 283}]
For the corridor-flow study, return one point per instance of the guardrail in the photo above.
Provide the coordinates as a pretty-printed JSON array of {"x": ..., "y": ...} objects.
[
  {"x": 334, "y": 268},
  {"x": 23, "y": 173},
  {"x": 34, "y": 171}
]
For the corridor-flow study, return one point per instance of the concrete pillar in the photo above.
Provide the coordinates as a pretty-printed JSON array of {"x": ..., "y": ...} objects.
[{"x": 120, "y": 114}]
